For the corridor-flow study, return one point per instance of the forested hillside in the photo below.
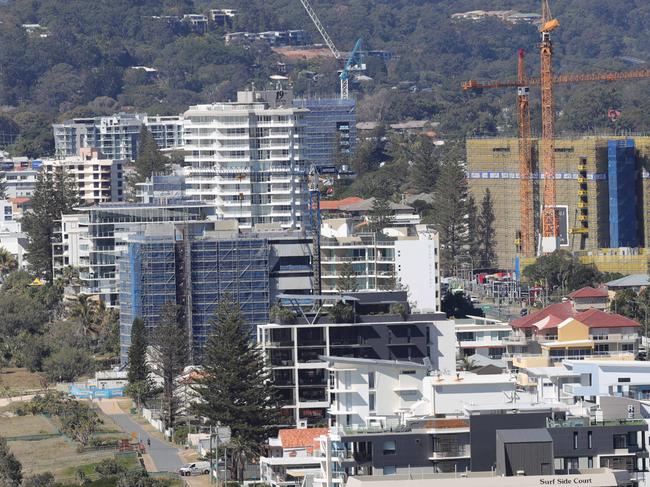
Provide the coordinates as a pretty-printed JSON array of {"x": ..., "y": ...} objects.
[{"x": 83, "y": 66}]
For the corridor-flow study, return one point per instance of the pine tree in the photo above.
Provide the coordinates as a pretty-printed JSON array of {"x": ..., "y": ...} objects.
[
  {"x": 150, "y": 160},
  {"x": 472, "y": 226},
  {"x": 10, "y": 468},
  {"x": 347, "y": 279},
  {"x": 138, "y": 374},
  {"x": 169, "y": 342},
  {"x": 380, "y": 215},
  {"x": 424, "y": 167},
  {"x": 54, "y": 195},
  {"x": 486, "y": 243},
  {"x": 235, "y": 388},
  {"x": 450, "y": 215}
]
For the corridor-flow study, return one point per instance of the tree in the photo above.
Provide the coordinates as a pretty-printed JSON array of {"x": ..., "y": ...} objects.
[
  {"x": 54, "y": 195},
  {"x": 150, "y": 160},
  {"x": 235, "y": 386},
  {"x": 457, "y": 305},
  {"x": 67, "y": 364},
  {"x": 561, "y": 271},
  {"x": 170, "y": 346},
  {"x": 380, "y": 215},
  {"x": 449, "y": 217},
  {"x": 424, "y": 167},
  {"x": 138, "y": 373},
  {"x": 347, "y": 279},
  {"x": 486, "y": 241},
  {"x": 473, "y": 230},
  {"x": 8, "y": 262},
  {"x": 85, "y": 310},
  {"x": 10, "y": 468}
]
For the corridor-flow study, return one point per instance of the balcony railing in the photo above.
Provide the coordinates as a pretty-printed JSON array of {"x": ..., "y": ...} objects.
[{"x": 455, "y": 452}]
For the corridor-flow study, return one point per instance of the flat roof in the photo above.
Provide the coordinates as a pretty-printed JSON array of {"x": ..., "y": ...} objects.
[
  {"x": 550, "y": 372},
  {"x": 527, "y": 435},
  {"x": 470, "y": 378}
]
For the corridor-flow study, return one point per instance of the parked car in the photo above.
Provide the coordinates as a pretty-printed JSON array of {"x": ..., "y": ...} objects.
[{"x": 196, "y": 468}]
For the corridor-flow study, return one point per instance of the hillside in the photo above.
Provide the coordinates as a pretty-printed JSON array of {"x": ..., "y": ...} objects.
[{"x": 83, "y": 62}]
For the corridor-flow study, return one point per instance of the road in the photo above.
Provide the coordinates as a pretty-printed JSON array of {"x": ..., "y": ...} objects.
[{"x": 164, "y": 455}]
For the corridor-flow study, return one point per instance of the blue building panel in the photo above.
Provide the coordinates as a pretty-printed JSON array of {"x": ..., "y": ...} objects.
[
  {"x": 622, "y": 177},
  {"x": 330, "y": 121},
  {"x": 158, "y": 271}
]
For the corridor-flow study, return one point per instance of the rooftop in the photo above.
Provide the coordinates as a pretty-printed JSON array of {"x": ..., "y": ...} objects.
[
  {"x": 595, "y": 318},
  {"x": 589, "y": 292},
  {"x": 301, "y": 437},
  {"x": 557, "y": 313},
  {"x": 633, "y": 280}
]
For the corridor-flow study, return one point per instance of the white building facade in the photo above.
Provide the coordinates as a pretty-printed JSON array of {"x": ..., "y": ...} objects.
[
  {"x": 247, "y": 159},
  {"x": 97, "y": 179}
]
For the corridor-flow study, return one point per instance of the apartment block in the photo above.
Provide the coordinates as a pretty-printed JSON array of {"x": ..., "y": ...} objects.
[
  {"x": 110, "y": 224},
  {"x": 294, "y": 351},
  {"x": 560, "y": 332},
  {"x": 602, "y": 193},
  {"x": 330, "y": 129},
  {"x": 248, "y": 158},
  {"x": 116, "y": 136},
  {"x": 96, "y": 178},
  {"x": 397, "y": 258},
  {"x": 20, "y": 176},
  {"x": 71, "y": 247}
]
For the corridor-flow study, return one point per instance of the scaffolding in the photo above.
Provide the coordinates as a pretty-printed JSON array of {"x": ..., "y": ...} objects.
[{"x": 581, "y": 170}]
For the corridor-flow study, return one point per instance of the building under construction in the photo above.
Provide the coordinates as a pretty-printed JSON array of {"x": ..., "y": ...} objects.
[
  {"x": 603, "y": 189},
  {"x": 194, "y": 270}
]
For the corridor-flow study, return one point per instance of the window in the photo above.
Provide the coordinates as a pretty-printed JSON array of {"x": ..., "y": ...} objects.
[
  {"x": 390, "y": 470},
  {"x": 571, "y": 465},
  {"x": 371, "y": 380},
  {"x": 620, "y": 441},
  {"x": 372, "y": 402},
  {"x": 589, "y": 440},
  {"x": 575, "y": 440},
  {"x": 590, "y": 462},
  {"x": 407, "y": 372},
  {"x": 389, "y": 447},
  {"x": 624, "y": 379}
]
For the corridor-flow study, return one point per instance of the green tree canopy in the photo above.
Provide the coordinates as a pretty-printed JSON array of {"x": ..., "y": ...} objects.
[
  {"x": 150, "y": 160},
  {"x": 235, "y": 388}
]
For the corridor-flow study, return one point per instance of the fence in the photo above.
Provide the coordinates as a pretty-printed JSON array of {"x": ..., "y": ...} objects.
[{"x": 91, "y": 392}]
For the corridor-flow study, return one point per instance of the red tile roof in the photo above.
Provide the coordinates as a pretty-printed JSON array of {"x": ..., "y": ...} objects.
[
  {"x": 555, "y": 313},
  {"x": 595, "y": 318},
  {"x": 300, "y": 438},
  {"x": 589, "y": 292},
  {"x": 337, "y": 204}
]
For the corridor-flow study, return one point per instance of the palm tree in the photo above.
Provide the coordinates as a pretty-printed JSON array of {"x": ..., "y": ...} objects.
[
  {"x": 8, "y": 262},
  {"x": 86, "y": 311}
]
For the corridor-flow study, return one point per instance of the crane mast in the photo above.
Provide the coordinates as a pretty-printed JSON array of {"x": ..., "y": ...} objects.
[
  {"x": 549, "y": 241},
  {"x": 526, "y": 210},
  {"x": 344, "y": 78}
]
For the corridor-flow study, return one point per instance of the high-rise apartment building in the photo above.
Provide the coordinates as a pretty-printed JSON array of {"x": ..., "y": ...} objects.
[
  {"x": 331, "y": 129},
  {"x": 116, "y": 136},
  {"x": 247, "y": 158},
  {"x": 110, "y": 224},
  {"x": 96, "y": 178},
  {"x": 194, "y": 267}
]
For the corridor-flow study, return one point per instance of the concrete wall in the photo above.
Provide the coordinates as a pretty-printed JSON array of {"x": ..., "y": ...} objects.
[
  {"x": 483, "y": 434},
  {"x": 416, "y": 267}
]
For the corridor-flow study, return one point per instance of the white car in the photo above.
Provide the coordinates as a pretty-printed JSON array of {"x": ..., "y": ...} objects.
[{"x": 196, "y": 468}]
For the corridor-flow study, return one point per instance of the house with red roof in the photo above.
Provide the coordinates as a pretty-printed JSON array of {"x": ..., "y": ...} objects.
[
  {"x": 291, "y": 456},
  {"x": 589, "y": 297},
  {"x": 564, "y": 330}
]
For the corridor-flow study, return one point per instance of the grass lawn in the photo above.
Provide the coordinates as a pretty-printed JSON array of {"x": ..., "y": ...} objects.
[
  {"x": 55, "y": 455},
  {"x": 18, "y": 380},
  {"x": 26, "y": 425}
]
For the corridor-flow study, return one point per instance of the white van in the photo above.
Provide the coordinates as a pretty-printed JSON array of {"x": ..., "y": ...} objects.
[{"x": 196, "y": 468}]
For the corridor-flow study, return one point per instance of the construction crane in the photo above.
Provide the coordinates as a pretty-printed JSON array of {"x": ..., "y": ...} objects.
[
  {"x": 549, "y": 231},
  {"x": 344, "y": 76}
]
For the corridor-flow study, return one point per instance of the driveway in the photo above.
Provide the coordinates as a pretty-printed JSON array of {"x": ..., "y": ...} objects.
[{"x": 164, "y": 455}]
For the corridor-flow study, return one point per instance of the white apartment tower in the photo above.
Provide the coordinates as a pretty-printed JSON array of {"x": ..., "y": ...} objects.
[{"x": 246, "y": 158}]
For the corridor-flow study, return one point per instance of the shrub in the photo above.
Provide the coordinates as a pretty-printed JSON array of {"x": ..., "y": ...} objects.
[
  {"x": 399, "y": 309},
  {"x": 342, "y": 312},
  {"x": 280, "y": 314}
]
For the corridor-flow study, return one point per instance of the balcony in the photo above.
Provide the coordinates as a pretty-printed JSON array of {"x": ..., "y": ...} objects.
[{"x": 459, "y": 451}]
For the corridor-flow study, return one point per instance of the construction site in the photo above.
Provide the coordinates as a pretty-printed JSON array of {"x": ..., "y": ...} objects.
[
  {"x": 589, "y": 171},
  {"x": 588, "y": 195}
]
